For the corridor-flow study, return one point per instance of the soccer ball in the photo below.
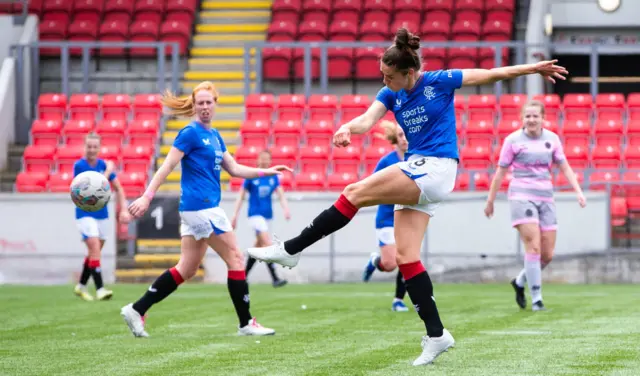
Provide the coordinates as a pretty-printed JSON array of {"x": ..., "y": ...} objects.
[{"x": 90, "y": 191}]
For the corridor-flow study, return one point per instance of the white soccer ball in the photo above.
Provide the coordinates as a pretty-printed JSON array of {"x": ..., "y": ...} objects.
[{"x": 90, "y": 191}]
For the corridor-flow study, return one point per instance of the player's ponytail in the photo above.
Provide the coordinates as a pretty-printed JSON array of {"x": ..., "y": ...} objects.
[
  {"x": 402, "y": 55},
  {"x": 185, "y": 105},
  {"x": 390, "y": 131}
]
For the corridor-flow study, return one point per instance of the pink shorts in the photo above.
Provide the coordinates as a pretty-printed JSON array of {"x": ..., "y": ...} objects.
[{"x": 541, "y": 212}]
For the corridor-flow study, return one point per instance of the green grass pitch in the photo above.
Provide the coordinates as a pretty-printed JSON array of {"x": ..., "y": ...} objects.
[{"x": 346, "y": 329}]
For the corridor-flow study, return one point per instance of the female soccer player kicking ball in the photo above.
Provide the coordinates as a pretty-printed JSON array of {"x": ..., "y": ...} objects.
[
  {"x": 93, "y": 225},
  {"x": 202, "y": 153},
  {"x": 423, "y": 105},
  {"x": 260, "y": 210},
  {"x": 530, "y": 153},
  {"x": 385, "y": 261}
]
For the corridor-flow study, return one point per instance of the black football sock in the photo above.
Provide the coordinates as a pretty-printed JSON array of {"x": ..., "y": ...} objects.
[
  {"x": 162, "y": 287},
  {"x": 420, "y": 291},
  {"x": 239, "y": 292},
  {"x": 401, "y": 289}
]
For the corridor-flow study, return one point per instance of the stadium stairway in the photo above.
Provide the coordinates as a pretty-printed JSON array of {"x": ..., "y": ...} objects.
[
  {"x": 145, "y": 268},
  {"x": 217, "y": 55}
]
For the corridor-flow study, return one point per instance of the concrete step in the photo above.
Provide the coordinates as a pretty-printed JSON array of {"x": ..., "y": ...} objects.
[
  {"x": 229, "y": 40},
  {"x": 236, "y": 28},
  {"x": 224, "y": 88},
  {"x": 237, "y": 5},
  {"x": 217, "y": 17}
]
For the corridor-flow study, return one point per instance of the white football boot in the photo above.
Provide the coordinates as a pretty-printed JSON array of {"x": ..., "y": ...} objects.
[
  {"x": 104, "y": 294},
  {"x": 433, "y": 347},
  {"x": 255, "y": 329},
  {"x": 133, "y": 320},
  {"x": 83, "y": 293},
  {"x": 275, "y": 253}
]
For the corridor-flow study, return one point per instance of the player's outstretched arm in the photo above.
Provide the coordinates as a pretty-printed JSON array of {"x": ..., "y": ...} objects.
[
  {"x": 140, "y": 206},
  {"x": 360, "y": 124},
  {"x": 283, "y": 202},
  {"x": 122, "y": 201},
  {"x": 235, "y": 169},
  {"x": 568, "y": 172},
  {"x": 547, "y": 69}
]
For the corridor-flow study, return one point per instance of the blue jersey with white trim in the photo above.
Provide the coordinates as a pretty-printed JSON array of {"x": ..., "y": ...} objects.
[
  {"x": 201, "y": 164},
  {"x": 384, "y": 215},
  {"x": 260, "y": 191},
  {"x": 426, "y": 113},
  {"x": 82, "y": 165}
]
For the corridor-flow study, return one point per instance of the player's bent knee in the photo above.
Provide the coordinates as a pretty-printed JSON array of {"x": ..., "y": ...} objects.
[
  {"x": 388, "y": 265},
  {"x": 235, "y": 260},
  {"x": 351, "y": 192},
  {"x": 407, "y": 256},
  {"x": 187, "y": 271}
]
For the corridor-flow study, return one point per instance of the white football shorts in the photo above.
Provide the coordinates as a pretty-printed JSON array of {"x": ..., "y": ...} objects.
[
  {"x": 435, "y": 177},
  {"x": 385, "y": 236},
  {"x": 201, "y": 223},
  {"x": 260, "y": 223},
  {"x": 93, "y": 228}
]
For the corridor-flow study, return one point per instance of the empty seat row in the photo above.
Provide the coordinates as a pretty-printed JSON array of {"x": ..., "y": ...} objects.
[
  {"x": 133, "y": 183},
  {"x": 56, "y": 106}
]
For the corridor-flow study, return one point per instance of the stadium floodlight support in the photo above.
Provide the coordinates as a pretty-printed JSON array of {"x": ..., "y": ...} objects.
[
  {"x": 28, "y": 57},
  {"x": 522, "y": 52}
]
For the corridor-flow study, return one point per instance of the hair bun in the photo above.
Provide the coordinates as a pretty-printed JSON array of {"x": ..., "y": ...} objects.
[{"x": 404, "y": 39}]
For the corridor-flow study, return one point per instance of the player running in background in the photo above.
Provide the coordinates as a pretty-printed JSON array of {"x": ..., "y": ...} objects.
[
  {"x": 385, "y": 260},
  {"x": 530, "y": 153},
  {"x": 202, "y": 154},
  {"x": 423, "y": 106},
  {"x": 260, "y": 210},
  {"x": 93, "y": 225}
]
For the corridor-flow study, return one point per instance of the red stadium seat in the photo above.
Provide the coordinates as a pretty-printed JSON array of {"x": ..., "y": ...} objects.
[
  {"x": 373, "y": 154},
  {"x": 143, "y": 31},
  {"x": 477, "y": 157},
  {"x": 606, "y": 156},
  {"x": 286, "y": 9},
  {"x": 116, "y": 106},
  {"x": 88, "y": 10},
  {"x": 277, "y": 63},
  {"x": 74, "y": 131},
  {"x": 619, "y": 211},
  {"x": 436, "y": 30},
  {"x": 136, "y": 158},
  {"x": 577, "y": 107},
  {"x": 60, "y": 182},
  {"x": 577, "y": 155},
  {"x": 480, "y": 128},
  {"x": 133, "y": 183},
  {"x": 377, "y": 8},
  {"x": 113, "y": 31},
  {"x": 291, "y": 107},
  {"x": 111, "y": 153},
  {"x": 310, "y": 181},
  {"x": 610, "y": 106},
  {"x": 312, "y": 31},
  {"x": 82, "y": 31},
  {"x": 149, "y": 10},
  {"x": 84, "y": 106},
  {"x": 52, "y": 106},
  {"x": 143, "y": 132},
  {"x": 479, "y": 181},
  {"x": 438, "y": 5},
  {"x": 52, "y": 30},
  {"x": 247, "y": 155},
  {"x": 112, "y": 132},
  {"x": 46, "y": 132},
  {"x": 482, "y": 107},
  {"x": 511, "y": 106},
  {"x": 174, "y": 31},
  {"x": 599, "y": 180},
  {"x": 339, "y": 180},
  {"x": 352, "y": 106},
  {"x": 235, "y": 183},
  {"x": 31, "y": 182},
  {"x": 184, "y": 8},
  {"x": 465, "y": 30},
  {"x": 282, "y": 31},
  {"x": 576, "y": 128},
  {"x": 259, "y": 106},
  {"x": 323, "y": 107},
  {"x": 284, "y": 155},
  {"x": 147, "y": 107},
  {"x": 346, "y": 159},
  {"x": 563, "y": 184},
  {"x": 374, "y": 30},
  {"x": 118, "y": 9},
  {"x": 366, "y": 63},
  {"x": 314, "y": 159},
  {"x": 633, "y": 102},
  {"x": 66, "y": 156},
  {"x": 608, "y": 130},
  {"x": 318, "y": 133},
  {"x": 346, "y": 10},
  {"x": 507, "y": 127},
  {"x": 340, "y": 65},
  {"x": 494, "y": 29},
  {"x": 287, "y": 133},
  {"x": 39, "y": 158},
  {"x": 255, "y": 133}
]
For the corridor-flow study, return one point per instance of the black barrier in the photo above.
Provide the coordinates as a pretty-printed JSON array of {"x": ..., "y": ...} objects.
[{"x": 162, "y": 220}]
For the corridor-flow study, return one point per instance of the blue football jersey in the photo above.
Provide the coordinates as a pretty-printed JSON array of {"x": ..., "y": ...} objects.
[
  {"x": 260, "y": 191},
  {"x": 384, "y": 215},
  {"x": 426, "y": 113},
  {"x": 100, "y": 166},
  {"x": 201, "y": 164}
]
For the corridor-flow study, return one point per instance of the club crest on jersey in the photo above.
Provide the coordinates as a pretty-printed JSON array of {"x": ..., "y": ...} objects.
[
  {"x": 398, "y": 102},
  {"x": 429, "y": 92}
]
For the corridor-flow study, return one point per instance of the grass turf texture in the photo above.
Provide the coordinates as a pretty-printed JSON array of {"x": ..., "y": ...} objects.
[{"x": 347, "y": 329}]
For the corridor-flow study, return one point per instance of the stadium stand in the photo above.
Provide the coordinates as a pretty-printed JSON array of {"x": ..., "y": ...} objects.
[{"x": 128, "y": 127}]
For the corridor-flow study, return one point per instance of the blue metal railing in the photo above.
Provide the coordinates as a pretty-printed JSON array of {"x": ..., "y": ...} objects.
[
  {"x": 520, "y": 57},
  {"x": 25, "y": 112}
]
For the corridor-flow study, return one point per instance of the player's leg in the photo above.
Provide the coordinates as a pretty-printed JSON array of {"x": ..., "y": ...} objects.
[
  {"x": 530, "y": 236},
  {"x": 102, "y": 293},
  {"x": 388, "y": 186},
  {"x": 223, "y": 241},
  {"x": 385, "y": 260},
  {"x": 401, "y": 290},
  {"x": 88, "y": 228},
  {"x": 250, "y": 260},
  {"x": 409, "y": 226}
]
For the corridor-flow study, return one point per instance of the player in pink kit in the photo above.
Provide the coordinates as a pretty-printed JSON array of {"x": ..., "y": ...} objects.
[{"x": 530, "y": 153}]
